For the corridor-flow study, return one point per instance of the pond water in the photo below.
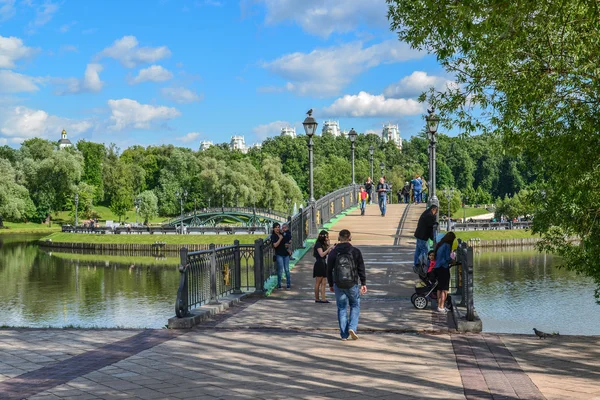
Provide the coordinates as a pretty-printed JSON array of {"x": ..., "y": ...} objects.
[
  {"x": 41, "y": 289},
  {"x": 519, "y": 289}
]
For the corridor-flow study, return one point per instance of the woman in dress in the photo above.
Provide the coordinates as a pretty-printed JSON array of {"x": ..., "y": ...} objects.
[{"x": 322, "y": 248}]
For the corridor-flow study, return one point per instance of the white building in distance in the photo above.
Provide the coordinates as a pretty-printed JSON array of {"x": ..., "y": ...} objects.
[
  {"x": 257, "y": 145},
  {"x": 64, "y": 142},
  {"x": 332, "y": 127},
  {"x": 238, "y": 143},
  {"x": 391, "y": 133},
  {"x": 291, "y": 132},
  {"x": 205, "y": 145}
]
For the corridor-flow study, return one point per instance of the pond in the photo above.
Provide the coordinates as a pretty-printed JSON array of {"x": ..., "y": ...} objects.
[
  {"x": 42, "y": 289},
  {"x": 519, "y": 289}
]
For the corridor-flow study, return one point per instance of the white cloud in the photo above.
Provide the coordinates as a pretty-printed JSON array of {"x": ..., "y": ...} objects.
[
  {"x": 322, "y": 18},
  {"x": 130, "y": 55},
  {"x": 21, "y": 123},
  {"x": 12, "y": 49},
  {"x": 127, "y": 113},
  {"x": 91, "y": 82},
  {"x": 368, "y": 105},
  {"x": 43, "y": 15},
  {"x": 325, "y": 72},
  {"x": 190, "y": 137},
  {"x": 12, "y": 82},
  {"x": 271, "y": 129},
  {"x": 7, "y": 9},
  {"x": 180, "y": 95},
  {"x": 154, "y": 73},
  {"x": 415, "y": 84}
]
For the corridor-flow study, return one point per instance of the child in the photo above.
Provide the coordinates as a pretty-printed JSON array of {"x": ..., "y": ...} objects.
[
  {"x": 287, "y": 239},
  {"x": 363, "y": 200},
  {"x": 431, "y": 256}
]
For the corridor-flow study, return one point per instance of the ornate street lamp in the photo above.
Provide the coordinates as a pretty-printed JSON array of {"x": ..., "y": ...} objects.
[
  {"x": 382, "y": 166},
  {"x": 352, "y": 136},
  {"x": 137, "y": 209},
  {"x": 449, "y": 194},
  {"x": 181, "y": 194},
  {"x": 432, "y": 121},
  {"x": 76, "y": 209},
  {"x": 310, "y": 127},
  {"x": 371, "y": 151},
  {"x": 465, "y": 209},
  {"x": 289, "y": 204}
]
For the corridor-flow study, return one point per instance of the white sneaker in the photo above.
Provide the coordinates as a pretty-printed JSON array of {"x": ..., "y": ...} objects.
[{"x": 442, "y": 310}]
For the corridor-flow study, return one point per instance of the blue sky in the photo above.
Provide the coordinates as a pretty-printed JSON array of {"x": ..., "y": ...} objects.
[{"x": 181, "y": 71}]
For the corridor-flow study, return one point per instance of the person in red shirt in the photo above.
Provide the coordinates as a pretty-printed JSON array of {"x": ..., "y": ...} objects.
[{"x": 363, "y": 200}]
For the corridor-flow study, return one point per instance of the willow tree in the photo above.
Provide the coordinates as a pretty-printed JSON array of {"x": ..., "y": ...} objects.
[{"x": 528, "y": 71}]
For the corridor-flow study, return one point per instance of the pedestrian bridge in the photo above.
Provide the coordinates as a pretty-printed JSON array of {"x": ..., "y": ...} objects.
[{"x": 244, "y": 216}]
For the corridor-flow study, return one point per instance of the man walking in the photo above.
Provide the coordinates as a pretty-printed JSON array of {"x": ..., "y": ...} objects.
[
  {"x": 425, "y": 231},
  {"x": 382, "y": 189},
  {"x": 345, "y": 266}
]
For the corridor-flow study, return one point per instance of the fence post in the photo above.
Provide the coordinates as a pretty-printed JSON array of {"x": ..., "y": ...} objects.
[
  {"x": 182, "y": 304},
  {"x": 213, "y": 274},
  {"x": 301, "y": 229},
  {"x": 258, "y": 260},
  {"x": 237, "y": 288},
  {"x": 470, "y": 305}
]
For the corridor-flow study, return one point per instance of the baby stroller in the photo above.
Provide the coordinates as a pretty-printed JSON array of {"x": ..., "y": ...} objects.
[{"x": 425, "y": 290}]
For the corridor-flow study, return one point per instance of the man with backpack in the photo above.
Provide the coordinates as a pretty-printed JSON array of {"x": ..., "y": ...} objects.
[{"x": 345, "y": 266}]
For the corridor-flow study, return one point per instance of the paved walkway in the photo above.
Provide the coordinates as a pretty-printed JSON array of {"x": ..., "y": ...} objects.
[{"x": 288, "y": 347}]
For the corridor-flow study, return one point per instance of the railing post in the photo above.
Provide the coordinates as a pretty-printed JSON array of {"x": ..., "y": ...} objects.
[
  {"x": 237, "y": 288},
  {"x": 258, "y": 267},
  {"x": 301, "y": 228},
  {"x": 470, "y": 305},
  {"x": 213, "y": 274},
  {"x": 182, "y": 304}
]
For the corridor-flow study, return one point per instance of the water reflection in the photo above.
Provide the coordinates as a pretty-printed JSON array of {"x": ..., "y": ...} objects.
[
  {"x": 519, "y": 289},
  {"x": 39, "y": 289}
]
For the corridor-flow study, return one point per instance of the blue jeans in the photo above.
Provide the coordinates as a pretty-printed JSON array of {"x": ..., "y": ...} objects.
[
  {"x": 342, "y": 298},
  {"x": 363, "y": 204},
  {"x": 422, "y": 248},
  {"x": 418, "y": 197},
  {"x": 369, "y": 197},
  {"x": 406, "y": 198},
  {"x": 382, "y": 203},
  {"x": 283, "y": 264}
]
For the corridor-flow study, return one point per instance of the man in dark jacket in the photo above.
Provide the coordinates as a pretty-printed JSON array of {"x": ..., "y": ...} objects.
[
  {"x": 348, "y": 323},
  {"x": 425, "y": 231}
]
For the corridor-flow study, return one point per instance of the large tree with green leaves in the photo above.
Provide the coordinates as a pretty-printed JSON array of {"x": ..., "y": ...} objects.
[{"x": 529, "y": 72}]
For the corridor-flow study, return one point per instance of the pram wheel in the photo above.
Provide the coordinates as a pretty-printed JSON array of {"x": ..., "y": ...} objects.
[
  {"x": 413, "y": 297},
  {"x": 420, "y": 302}
]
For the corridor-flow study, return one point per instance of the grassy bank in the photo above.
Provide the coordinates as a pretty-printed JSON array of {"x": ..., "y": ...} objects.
[
  {"x": 28, "y": 227},
  {"x": 105, "y": 214},
  {"x": 469, "y": 211},
  {"x": 150, "y": 239},
  {"x": 496, "y": 235}
]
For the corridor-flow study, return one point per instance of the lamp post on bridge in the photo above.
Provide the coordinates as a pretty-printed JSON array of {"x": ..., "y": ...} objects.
[
  {"x": 181, "y": 194},
  {"x": 371, "y": 151},
  {"x": 136, "y": 202},
  {"x": 449, "y": 194},
  {"x": 310, "y": 127},
  {"x": 223, "y": 202},
  {"x": 289, "y": 204},
  {"x": 465, "y": 209},
  {"x": 432, "y": 121},
  {"x": 352, "y": 136},
  {"x": 76, "y": 209}
]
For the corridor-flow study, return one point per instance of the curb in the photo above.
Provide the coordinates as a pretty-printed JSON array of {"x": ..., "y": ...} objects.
[{"x": 204, "y": 312}]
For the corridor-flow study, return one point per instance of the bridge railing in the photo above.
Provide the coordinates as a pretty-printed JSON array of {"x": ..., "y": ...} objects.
[
  {"x": 463, "y": 278},
  {"x": 480, "y": 226},
  {"x": 271, "y": 214},
  {"x": 206, "y": 276}
]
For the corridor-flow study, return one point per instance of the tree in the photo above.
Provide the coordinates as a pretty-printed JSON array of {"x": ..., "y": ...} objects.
[
  {"x": 94, "y": 155},
  {"x": 526, "y": 71},
  {"x": 86, "y": 193},
  {"x": 148, "y": 205},
  {"x": 14, "y": 198}
]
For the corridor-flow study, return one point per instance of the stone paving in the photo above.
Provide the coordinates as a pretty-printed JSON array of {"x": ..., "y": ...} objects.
[{"x": 288, "y": 347}]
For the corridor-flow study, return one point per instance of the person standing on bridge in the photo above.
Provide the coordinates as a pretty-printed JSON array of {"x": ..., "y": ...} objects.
[
  {"x": 417, "y": 185},
  {"x": 345, "y": 266},
  {"x": 382, "y": 189},
  {"x": 443, "y": 258},
  {"x": 425, "y": 231},
  {"x": 282, "y": 257},
  {"x": 369, "y": 190},
  {"x": 320, "y": 251}
]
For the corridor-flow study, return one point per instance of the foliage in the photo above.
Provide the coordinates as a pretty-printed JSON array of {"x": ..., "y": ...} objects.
[
  {"x": 148, "y": 205},
  {"x": 14, "y": 198},
  {"x": 527, "y": 72}
]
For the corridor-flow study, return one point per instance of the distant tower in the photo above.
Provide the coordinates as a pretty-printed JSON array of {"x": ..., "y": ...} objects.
[
  {"x": 291, "y": 132},
  {"x": 257, "y": 146},
  {"x": 205, "y": 145},
  {"x": 64, "y": 142},
  {"x": 238, "y": 143},
  {"x": 332, "y": 127},
  {"x": 391, "y": 133}
]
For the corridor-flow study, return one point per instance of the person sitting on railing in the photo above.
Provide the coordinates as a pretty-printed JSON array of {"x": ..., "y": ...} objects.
[{"x": 282, "y": 258}]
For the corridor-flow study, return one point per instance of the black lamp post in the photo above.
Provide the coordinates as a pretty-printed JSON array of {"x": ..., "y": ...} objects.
[
  {"x": 382, "y": 166},
  {"x": 371, "y": 151},
  {"x": 76, "y": 208},
  {"x": 465, "y": 209},
  {"x": 289, "y": 204},
  {"x": 432, "y": 125},
  {"x": 137, "y": 209},
  {"x": 449, "y": 194},
  {"x": 182, "y": 194},
  {"x": 223, "y": 202},
  {"x": 352, "y": 136},
  {"x": 310, "y": 127}
]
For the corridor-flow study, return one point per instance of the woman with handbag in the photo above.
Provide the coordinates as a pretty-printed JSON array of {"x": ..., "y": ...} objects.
[{"x": 320, "y": 252}]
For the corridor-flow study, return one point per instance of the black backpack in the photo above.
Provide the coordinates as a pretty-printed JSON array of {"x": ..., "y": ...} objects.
[{"x": 345, "y": 273}]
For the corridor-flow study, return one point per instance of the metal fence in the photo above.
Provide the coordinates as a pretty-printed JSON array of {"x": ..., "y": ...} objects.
[
  {"x": 480, "y": 226},
  {"x": 463, "y": 278},
  {"x": 207, "y": 275}
]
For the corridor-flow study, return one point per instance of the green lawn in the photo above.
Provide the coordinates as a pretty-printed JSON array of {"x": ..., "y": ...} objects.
[
  {"x": 470, "y": 212},
  {"x": 150, "y": 239},
  {"x": 28, "y": 227},
  {"x": 496, "y": 235}
]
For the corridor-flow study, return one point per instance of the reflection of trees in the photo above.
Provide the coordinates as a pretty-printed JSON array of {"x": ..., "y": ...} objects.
[{"x": 44, "y": 286}]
